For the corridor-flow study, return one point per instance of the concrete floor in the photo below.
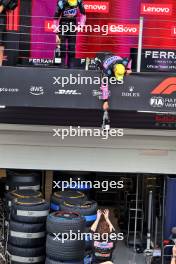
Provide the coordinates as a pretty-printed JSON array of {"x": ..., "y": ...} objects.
[{"x": 124, "y": 255}]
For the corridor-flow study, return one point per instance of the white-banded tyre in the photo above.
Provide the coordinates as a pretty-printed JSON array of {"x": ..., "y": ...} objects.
[
  {"x": 63, "y": 222},
  {"x": 23, "y": 179},
  {"x": 26, "y": 235},
  {"x": 67, "y": 250},
  {"x": 88, "y": 209},
  {"x": 68, "y": 195},
  {"x": 50, "y": 261},
  {"x": 31, "y": 210},
  {"x": 20, "y": 255}
]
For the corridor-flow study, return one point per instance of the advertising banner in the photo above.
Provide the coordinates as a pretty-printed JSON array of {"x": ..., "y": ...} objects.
[
  {"x": 156, "y": 60},
  {"x": 102, "y": 14},
  {"x": 58, "y": 88}
]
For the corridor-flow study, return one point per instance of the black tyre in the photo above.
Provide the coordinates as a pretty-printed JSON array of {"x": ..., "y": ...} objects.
[
  {"x": 23, "y": 179},
  {"x": 10, "y": 196},
  {"x": 69, "y": 195},
  {"x": 31, "y": 210},
  {"x": 88, "y": 209},
  {"x": 25, "y": 193},
  {"x": 50, "y": 261},
  {"x": 63, "y": 222},
  {"x": 26, "y": 235},
  {"x": 20, "y": 255},
  {"x": 69, "y": 250},
  {"x": 88, "y": 239}
]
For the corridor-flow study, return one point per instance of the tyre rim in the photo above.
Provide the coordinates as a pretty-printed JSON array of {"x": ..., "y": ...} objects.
[{"x": 67, "y": 215}]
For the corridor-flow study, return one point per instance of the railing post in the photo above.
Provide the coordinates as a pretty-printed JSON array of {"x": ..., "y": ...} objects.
[{"x": 139, "y": 54}]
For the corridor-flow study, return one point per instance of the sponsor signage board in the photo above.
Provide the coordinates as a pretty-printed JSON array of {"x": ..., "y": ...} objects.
[
  {"x": 156, "y": 60},
  {"x": 156, "y": 9},
  {"x": 96, "y": 7},
  {"x": 43, "y": 87}
]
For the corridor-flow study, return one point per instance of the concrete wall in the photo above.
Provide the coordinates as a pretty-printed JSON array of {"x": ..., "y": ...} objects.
[{"x": 34, "y": 147}]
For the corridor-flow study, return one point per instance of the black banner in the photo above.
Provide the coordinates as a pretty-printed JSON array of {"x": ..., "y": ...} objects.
[
  {"x": 79, "y": 89},
  {"x": 155, "y": 60}
]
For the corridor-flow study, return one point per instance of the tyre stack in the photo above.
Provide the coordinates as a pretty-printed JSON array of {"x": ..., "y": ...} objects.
[
  {"x": 27, "y": 229},
  {"x": 68, "y": 250},
  {"x": 76, "y": 201},
  {"x": 20, "y": 180},
  {"x": 88, "y": 210}
]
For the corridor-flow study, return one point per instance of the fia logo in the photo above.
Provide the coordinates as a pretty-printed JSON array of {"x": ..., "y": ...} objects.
[{"x": 157, "y": 102}]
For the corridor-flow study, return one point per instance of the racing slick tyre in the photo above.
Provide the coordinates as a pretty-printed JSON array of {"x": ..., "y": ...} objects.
[
  {"x": 22, "y": 179},
  {"x": 20, "y": 255},
  {"x": 31, "y": 210},
  {"x": 69, "y": 195},
  {"x": 63, "y": 222},
  {"x": 26, "y": 235},
  {"x": 50, "y": 261},
  {"x": 69, "y": 250},
  {"x": 10, "y": 196},
  {"x": 88, "y": 209},
  {"x": 88, "y": 239}
]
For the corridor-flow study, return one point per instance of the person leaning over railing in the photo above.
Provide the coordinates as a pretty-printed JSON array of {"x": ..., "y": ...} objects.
[
  {"x": 5, "y": 5},
  {"x": 110, "y": 65}
]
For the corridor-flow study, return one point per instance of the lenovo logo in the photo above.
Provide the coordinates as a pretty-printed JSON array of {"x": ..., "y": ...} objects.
[
  {"x": 173, "y": 31},
  {"x": 96, "y": 7},
  {"x": 49, "y": 26},
  {"x": 166, "y": 87},
  {"x": 124, "y": 29},
  {"x": 156, "y": 9}
]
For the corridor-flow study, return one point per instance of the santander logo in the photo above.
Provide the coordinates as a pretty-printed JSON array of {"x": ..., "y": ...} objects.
[
  {"x": 156, "y": 9},
  {"x": 123, "y": 29},
  {"x": 96, "y": 7}
]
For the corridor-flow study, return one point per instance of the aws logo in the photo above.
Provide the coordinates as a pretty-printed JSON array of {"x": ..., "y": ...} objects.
[{"x": 166, "y": 87}]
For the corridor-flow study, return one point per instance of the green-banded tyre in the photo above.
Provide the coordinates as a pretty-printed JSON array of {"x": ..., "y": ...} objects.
[
  {"x": 19, "y": 255},
  {"x": 63, "y": 222},
  {"x": 26, "y": 235},
  {"x": 31, "y": 210},
  {"x": 67, "y": 250}
]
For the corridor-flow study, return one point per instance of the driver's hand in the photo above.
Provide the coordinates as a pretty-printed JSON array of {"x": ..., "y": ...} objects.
[
  {"x": 1, "y": 8},
  {"x": 128, "y": 72},
  {"x": 105, "y": 106}
]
